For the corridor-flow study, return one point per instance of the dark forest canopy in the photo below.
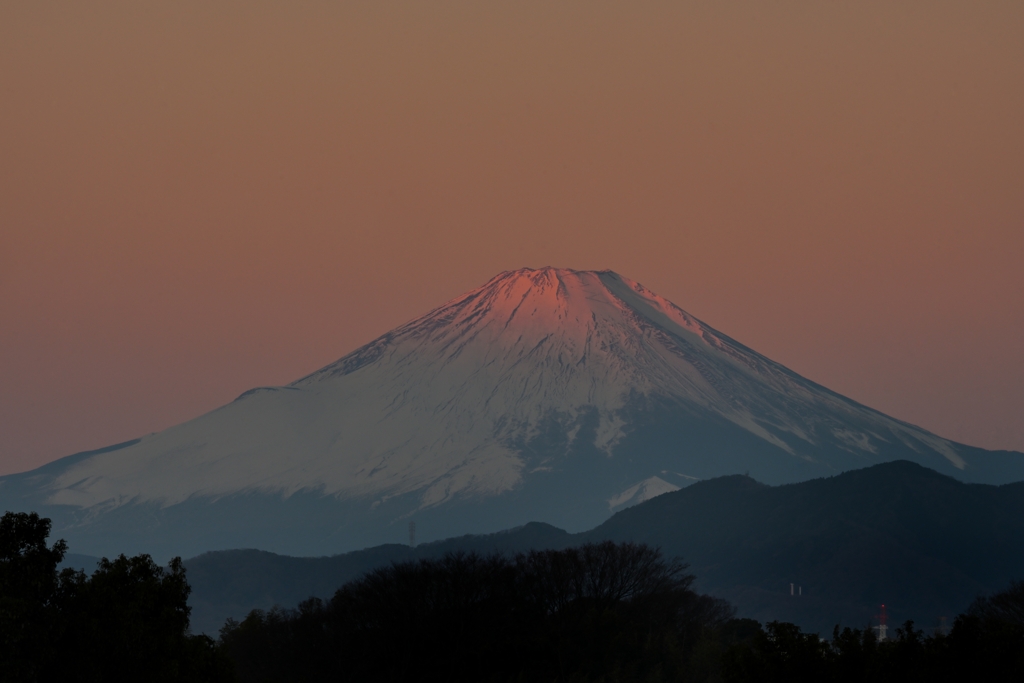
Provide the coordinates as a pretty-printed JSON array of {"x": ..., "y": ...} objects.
[
  {"x": 128, "y": 621},
  {"x": 599, "y": 612},
  {"x": 543, "y": 615}
]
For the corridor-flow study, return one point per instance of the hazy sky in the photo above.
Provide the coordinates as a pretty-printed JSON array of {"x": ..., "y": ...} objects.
[{"x": 201, "y": 197}]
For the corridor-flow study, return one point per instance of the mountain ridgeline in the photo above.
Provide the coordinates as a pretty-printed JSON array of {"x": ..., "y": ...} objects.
[
  {"x": 545, "y": 395},
  {"x": 922, "y": 543}
]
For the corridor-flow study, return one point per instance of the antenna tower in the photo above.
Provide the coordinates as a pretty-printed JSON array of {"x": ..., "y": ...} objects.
[{"x": 883, "y": 625}]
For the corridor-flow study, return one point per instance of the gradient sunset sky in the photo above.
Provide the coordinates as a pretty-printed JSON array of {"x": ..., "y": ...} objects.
[{"x": 197, "y": 198}]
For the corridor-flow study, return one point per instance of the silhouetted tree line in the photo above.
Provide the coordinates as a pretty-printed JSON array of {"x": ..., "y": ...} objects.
[
  {"x": 607, "y": 612},
  {"x": 128, "y": 621},
  {"x": 599, "y": 612},
  {"x": 985, "y": 644}
]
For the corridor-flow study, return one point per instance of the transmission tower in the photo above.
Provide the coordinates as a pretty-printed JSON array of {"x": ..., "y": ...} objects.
[{"x": 883, "y": 625}]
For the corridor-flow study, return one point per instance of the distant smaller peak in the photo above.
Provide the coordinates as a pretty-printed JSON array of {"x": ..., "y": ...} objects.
[
  {"x": 730, "y": 481},
  {"x": 257, "y": 390},
  {"x": 897, "y": 469}
]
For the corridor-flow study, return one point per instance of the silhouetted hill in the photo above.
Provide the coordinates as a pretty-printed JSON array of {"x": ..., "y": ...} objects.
[
  {"x": 897, "y": 533},
  {"x": 86, "y": 563},
  {"x": 918, "y": 541},
  {"x": 233, "y": 582}
]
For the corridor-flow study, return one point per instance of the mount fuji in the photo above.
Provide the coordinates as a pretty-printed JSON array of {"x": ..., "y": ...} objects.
[{"x": 545, "y": 395}]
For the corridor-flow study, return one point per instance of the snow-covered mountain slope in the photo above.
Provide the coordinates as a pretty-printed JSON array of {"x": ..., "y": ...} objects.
[{"x": 545, "y": 394}]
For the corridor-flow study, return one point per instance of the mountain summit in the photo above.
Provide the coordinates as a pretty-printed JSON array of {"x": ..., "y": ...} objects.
[{"x": 549, "y": 394}]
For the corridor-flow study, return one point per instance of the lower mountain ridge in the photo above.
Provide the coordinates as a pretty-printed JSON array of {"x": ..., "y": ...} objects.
[
  {"x": 898, "y": 534},
  {"x": 554, "y": 395}
]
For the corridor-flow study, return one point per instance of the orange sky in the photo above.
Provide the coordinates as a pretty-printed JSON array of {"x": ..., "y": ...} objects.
[{"x": 201, "y": 197}]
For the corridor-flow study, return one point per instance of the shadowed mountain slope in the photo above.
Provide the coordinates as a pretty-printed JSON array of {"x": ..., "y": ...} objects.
[{"x": 920, "y": 542}]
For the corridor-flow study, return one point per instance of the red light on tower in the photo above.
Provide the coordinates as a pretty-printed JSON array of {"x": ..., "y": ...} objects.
[{"x": 883, "y": 625}]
